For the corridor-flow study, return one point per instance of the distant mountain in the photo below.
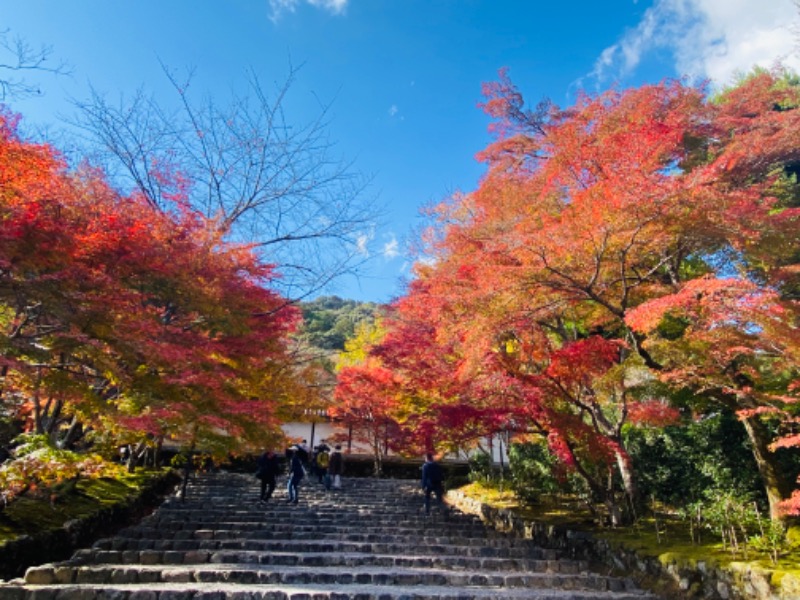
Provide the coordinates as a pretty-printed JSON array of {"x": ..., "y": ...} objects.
[{"x": 330, "y": 320}]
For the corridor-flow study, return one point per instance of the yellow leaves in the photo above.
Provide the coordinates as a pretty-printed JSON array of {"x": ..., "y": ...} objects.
[{"x": 356, "y": 349}]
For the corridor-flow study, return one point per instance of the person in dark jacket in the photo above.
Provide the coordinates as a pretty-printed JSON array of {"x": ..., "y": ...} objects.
[
  {"x": 296, "y": 473},
  {"x": 267, "y": 469},
  {"x": 432, "y": 482},
  {"x": 336, "y": 467}
]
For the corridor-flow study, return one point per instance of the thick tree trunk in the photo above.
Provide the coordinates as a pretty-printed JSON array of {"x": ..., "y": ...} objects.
[
  {"x": 628, "y": 475},
  {"x": 72, "y": 435},
  {"x": 774, "y": 484}
]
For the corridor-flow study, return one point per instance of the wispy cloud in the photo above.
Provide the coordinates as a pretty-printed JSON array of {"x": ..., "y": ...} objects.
[
  {"x": 278, "y": 8},
  {"x": 714, "y": 39},
  {"x": 393, "y": 110},
  {"x": 391, "y": 249},
  {"x": 362, "y": 244}
]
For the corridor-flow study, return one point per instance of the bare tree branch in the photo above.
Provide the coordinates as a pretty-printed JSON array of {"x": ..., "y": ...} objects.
[
  {"x": 264, "y": 180},
  {"x": 18, "y": 59}
]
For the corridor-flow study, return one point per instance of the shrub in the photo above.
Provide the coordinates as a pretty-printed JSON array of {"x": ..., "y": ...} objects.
[
  {"x": 480, "y": 468},
  {"x": 532, "y": 471},
  {"x": 678, "y": 465},
  {"x": 37, "y": 464}
]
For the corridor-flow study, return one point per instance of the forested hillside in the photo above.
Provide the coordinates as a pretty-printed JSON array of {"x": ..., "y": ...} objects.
[{"x": 329, "y": 321}]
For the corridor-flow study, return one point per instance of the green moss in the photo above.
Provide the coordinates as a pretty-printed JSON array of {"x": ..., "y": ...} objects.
[
  {"x": 562, "y": 511},
  {"x": 50, "y": 509},
  {"x": 672, "y": 543},
  {"x": 793, "y": 535}
]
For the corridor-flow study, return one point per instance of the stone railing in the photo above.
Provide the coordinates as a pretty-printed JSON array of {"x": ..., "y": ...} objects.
[{"x": 667, "y": 575}]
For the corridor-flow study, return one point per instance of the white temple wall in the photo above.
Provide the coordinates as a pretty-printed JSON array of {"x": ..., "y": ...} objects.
[{"x": 315, "y": 433}]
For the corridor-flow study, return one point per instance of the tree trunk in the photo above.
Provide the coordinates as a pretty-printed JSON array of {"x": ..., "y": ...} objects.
[
  {"x": 774, "y": 484},
  {"x": 617, "y": 515},
  {"x": 36, "y": 399},
  {"x": 376, "y": 454},
  {"x": 72, "y": 435},
  {"x": 628, "y": 475},
  {"x": 135, "y": 455},
  {"x": 157, "y": 453}
]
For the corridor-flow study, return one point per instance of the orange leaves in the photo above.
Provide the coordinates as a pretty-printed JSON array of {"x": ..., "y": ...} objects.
[
  {"x": 153, "y": 308},
  {"x": 367, "y": 399},
  {"x": 364, "y": 388}
]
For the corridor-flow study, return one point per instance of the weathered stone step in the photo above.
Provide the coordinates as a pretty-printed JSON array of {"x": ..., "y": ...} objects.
[
  {"x": 432, "y": 532},
  {"x": 313, "y": 545},
  {"x": 158, "y": 531},
  {"x": 320, "y": 512},
  {"x": 316, "y": 559},
  {"x": 327, "y": 525},
  {"x": 294, "y": 575},
  {"x": 312, "y": 515},
  {"x": 231, "y": 591},
  {"x": 369, "y": 541},
  {"x": 299, "y": 533},
  {"x": 323, "y": 508}
]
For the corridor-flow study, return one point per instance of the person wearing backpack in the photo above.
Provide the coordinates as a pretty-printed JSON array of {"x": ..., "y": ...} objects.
[
  {"x": 432, "y": 482},
  {"x": 323, "y": 460}
]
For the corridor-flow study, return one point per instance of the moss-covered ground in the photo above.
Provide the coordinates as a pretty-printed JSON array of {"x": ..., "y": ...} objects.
[
  {"x": 48, "y": 525},
  {"x": 666, "y": 538},
  {"x": 44, "y": 510}
]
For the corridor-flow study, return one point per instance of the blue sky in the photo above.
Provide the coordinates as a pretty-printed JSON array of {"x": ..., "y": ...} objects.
[{"x": 402, "y": 77}]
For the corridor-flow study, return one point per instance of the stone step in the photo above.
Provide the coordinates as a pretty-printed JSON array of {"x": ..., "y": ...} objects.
[
  {"x": 232, "y": 591},
  {"x": 279, "y": 523},
  {"x": 316, "y": 513},
  {"x": 325, "y": 509},
  {"x": 434, "y": 537},
  {"x": 314, "y": 545},
  {"x": 369, "y": 541},
  {"x": 298, "y": 575},
  {"x": 155, "y": 530},
  {"x": 315, "y": 559}
]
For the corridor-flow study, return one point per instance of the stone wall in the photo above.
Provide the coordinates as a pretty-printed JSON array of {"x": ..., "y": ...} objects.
[{"x": 667, "y": 575}]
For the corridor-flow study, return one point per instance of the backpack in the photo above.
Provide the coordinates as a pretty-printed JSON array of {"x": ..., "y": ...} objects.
[{"x": 323, "y": 458}]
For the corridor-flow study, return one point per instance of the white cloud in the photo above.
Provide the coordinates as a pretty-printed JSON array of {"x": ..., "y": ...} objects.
[
  {"x": 335, "y": 6},
  {"x": 279, "y": 7},
  {"x": 362, "y": 244},
  {"x": 391, "y": 249},
  {"x": 713, "y": 39},
  {"x": 393, "y": 110}
]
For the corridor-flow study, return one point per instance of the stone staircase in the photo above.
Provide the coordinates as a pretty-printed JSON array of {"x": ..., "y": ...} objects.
[{"x": 368, "y": 541}]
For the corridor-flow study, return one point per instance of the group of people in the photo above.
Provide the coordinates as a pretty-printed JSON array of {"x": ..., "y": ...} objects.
[{"x": 326, "y": 465}]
